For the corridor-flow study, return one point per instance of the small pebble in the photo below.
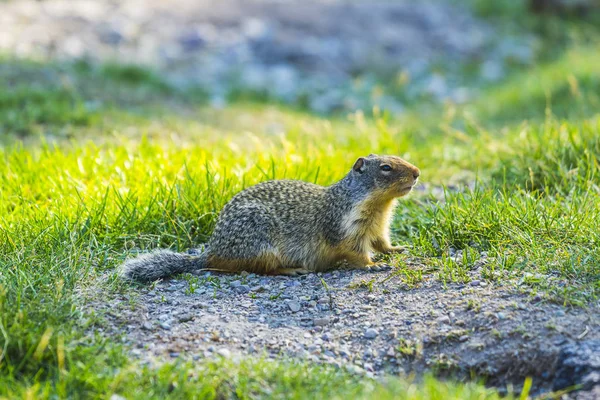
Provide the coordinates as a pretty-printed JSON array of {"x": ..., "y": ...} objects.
[
  {"x": 165, "y": 326},
  {"x": 225, "y": 353},
  {"x": 242, "y": 289},
  {"x": 371, "y": 333},
  {"x": 185, "y": 318},
  {"x": 147, "y": 326},
  {"x": 294, "y": 306}
]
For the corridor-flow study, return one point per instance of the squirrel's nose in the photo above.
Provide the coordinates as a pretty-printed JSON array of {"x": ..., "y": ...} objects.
[{"x": 416, "y": 173}]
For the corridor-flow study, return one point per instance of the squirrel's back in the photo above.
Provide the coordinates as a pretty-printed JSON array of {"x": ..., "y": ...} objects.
[
  {"x": 281, "y": 201},
  {"x": 280, "y": 196}
]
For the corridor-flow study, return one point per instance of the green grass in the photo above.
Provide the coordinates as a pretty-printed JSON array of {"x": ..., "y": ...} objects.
[
  {"x": 99, "y": 160},
  {"x": 568, "y": 87},
  {"x": 248, "y": 379}
]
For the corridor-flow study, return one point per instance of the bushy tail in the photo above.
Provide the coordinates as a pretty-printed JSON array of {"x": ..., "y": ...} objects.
[{"x": 161, "y": 264}]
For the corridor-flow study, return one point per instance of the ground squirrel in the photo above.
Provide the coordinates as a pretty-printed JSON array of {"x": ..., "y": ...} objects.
[{"x": 293, "y": 227}]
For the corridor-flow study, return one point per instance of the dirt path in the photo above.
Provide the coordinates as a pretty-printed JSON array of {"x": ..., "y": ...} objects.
[
  {"x": 295, "y": 51},
  {"x": 373, "y": 322}
]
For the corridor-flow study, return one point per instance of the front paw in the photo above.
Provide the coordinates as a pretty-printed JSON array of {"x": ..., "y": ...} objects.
[
  {"x": 378, "y": 267},
  {"x": 395, "y": 250}
]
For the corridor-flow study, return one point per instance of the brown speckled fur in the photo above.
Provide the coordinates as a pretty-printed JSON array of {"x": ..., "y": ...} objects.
[{"x": 290, "y": 227}]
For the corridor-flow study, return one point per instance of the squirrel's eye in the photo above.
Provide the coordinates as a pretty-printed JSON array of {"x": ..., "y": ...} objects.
[{"x": 386, "y": 168}]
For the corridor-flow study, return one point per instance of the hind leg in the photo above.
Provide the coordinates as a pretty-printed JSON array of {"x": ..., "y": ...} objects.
[
  {"x": 291, "y": 271},
  {"x": 267, "y": 264},
  {"x": 358, "y": 260},
  {"x": 241, "y": 242}
]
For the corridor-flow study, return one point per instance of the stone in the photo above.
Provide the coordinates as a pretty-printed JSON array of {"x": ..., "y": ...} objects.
[
  {"x": 243, "y": 289},
  {"x": 185, "y": 317},
  {"x": 165, "y": 326},
  {"x": 294, "y": 306},
  {"x": 225, "y": 353},
  {"x": 321, "y": 321},
  {"x": 192, "y": 40},
  {"x": 147, "y": 326},
  {"x": 111, "y": 36},
  {"x": 371, "y": 333}
]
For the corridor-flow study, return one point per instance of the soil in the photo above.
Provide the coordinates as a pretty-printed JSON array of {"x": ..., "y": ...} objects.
[{"x": 373, "y": 323}]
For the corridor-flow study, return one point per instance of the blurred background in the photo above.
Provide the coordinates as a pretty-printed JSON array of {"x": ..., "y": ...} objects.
[{"x": 324, "y": 56}]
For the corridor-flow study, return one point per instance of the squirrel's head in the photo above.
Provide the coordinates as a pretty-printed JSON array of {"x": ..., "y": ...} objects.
[{"x": 389, "y": 176}]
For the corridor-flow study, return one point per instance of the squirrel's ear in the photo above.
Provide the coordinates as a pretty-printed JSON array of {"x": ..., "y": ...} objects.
[
  {"x": 359, "y": 165},
  {"x": 372, "y": 155}
]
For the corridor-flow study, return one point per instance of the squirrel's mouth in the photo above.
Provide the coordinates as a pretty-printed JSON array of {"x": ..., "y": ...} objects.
[{"x": 407, "y": 188}]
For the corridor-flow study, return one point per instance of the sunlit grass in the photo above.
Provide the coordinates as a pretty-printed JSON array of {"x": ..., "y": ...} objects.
[{"x": 568, "y": 87}]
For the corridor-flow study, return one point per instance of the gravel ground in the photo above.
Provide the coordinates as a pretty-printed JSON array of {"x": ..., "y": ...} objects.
[
  {"x": 308, "y": 52},
  {"x": 370, "y": 322}
]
